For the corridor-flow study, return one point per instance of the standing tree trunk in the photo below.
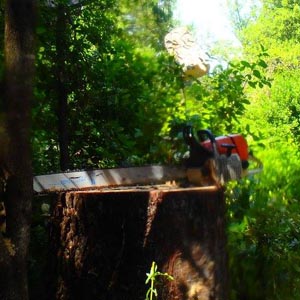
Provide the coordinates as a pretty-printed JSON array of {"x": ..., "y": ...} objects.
[{"x": 15, "y": 138}]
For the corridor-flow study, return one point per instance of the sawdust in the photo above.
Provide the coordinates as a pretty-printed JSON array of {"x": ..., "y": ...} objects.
[{"x": 155, "y": 198}]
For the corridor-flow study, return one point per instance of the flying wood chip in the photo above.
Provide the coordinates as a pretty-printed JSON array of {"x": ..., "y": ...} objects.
[{"x": 181, "y": 44}]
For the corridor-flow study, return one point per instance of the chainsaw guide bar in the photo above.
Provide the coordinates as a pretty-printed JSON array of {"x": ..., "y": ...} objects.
[{"x": 102, "y": 178}]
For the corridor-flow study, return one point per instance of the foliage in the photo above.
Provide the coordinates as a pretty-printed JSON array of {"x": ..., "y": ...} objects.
[
  {"x": 277, "y": 28},
  {"x": 152, "y": 277},
  {"x": 124, "y": 93},
  {"x": 263, "y": 211},
  {"x": 219, "y": 100},
  {"x": 119, "y": 84},
  {"x": 243, "y": 13},
  {"x": 274, "y": 113},
  {"x": 264, "y": 236}
]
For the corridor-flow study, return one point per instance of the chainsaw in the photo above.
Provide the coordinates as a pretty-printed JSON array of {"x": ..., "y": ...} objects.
[
  {"x": 212, "y": 161},
  {"x": 217, "y": 160}
]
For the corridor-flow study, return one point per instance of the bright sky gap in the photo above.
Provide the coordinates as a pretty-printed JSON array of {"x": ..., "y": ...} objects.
[{"x": 209, "y": 18}]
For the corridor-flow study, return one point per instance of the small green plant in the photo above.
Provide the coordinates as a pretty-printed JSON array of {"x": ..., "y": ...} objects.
[{"x": 152, "y": 278}]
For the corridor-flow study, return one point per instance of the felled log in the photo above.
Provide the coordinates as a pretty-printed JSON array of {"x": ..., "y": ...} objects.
[
  {"x": 104, "y": 241},
  {"x": 180, "y": 43}
]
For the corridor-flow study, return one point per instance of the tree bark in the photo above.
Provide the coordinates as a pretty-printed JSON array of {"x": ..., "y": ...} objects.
[
  {"x": 16, "y": 161},
  {"x": 104, "y": 243}
]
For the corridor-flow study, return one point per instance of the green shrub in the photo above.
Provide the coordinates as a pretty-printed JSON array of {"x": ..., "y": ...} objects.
[{"x": 264, "y": 229}]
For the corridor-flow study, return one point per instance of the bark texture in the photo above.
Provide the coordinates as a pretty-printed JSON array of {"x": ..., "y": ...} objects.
[
  {"x": 15, "y": 138},
  {"x": 104, "y": 243}
]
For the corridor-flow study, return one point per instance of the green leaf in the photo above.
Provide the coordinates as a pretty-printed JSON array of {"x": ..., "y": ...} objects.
[
  {"x": 252, "y": 84},
  {"x": 262, "y": 63},
  {"x": 245, "y": 63},
  {"x": 263, "y": 49},
  {"x": 268, "y": 83},
  {"x": 256, "y": 73},
  {"x": 245, "y": 101}
]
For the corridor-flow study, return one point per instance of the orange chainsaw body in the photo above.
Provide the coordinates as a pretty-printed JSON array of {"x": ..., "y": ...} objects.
[
  {"x": 237, "y": 140},
  {"x": 217, "y": 160}
]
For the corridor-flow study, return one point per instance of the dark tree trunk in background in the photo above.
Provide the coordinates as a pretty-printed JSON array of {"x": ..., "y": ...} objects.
[
  {"x": 15, "y": 114},
  {"x": 62, "y": 94},
  {"x": 103, "y": 243}
]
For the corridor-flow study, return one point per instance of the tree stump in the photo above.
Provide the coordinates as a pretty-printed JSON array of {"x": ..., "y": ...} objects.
[{"x": 104, "y": 241}]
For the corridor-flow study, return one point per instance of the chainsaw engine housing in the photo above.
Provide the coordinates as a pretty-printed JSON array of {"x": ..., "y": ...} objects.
[
  {"x": 230, "y": 144},
  {"x": 215, "y": 159}
]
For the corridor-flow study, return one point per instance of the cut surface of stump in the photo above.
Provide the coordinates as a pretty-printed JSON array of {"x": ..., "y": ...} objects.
[{"x": 103, "y": 243}]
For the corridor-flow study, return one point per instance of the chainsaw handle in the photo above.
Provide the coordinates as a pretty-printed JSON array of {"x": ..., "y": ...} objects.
[{"x": 202, "y": 133}]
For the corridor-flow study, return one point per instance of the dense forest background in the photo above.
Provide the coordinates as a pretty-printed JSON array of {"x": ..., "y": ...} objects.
[{"x": 106, "y": 94}]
